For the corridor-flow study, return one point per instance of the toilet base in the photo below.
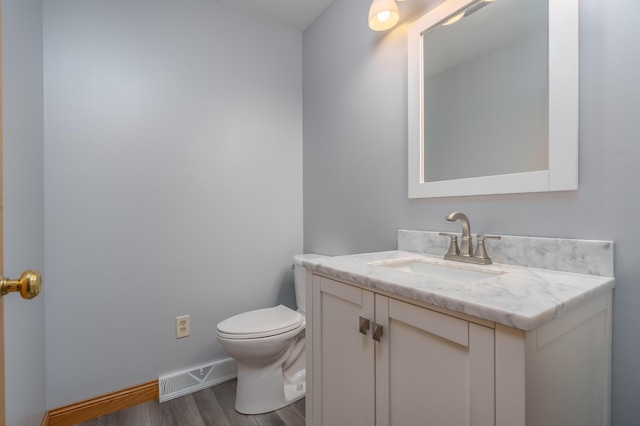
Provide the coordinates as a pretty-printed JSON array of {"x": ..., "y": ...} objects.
[
  {"x": 261, "y": 391},
  {"x": 271, "y": 369}
]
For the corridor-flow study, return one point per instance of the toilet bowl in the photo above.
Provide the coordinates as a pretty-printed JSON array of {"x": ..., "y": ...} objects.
[{"x": 268, "y": 345}]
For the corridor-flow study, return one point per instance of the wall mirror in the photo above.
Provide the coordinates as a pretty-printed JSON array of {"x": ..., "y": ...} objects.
[{"x": 493, "y": 98}]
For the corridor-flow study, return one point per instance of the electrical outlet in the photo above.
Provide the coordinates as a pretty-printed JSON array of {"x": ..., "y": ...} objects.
[{"x": 182, "y": 326}]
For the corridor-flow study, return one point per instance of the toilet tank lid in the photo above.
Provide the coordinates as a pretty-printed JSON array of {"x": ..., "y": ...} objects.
[
  {"x": 268, "y": 321},
  {"x": 298, "y": 258}
]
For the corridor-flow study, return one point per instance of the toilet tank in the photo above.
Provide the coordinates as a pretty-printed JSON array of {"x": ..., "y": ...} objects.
[{"x": 299, "y": 274}]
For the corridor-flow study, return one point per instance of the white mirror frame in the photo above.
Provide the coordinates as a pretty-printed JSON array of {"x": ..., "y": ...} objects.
[{"x": 563, "y": 112}]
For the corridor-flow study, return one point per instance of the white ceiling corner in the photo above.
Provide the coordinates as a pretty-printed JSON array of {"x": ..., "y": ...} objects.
[{"x": 297, "y": 14}]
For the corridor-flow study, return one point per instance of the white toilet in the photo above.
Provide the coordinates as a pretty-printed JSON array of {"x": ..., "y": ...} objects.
[{"x": 268, "y": 345}]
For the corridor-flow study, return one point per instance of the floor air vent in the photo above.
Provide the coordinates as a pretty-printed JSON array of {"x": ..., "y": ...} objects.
[{"x": 194, "y": 379}]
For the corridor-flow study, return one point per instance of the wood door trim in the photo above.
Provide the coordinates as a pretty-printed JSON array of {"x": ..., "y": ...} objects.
[
  {"x": 101, "y": 405},
  {"x": 2, "y": 376}
]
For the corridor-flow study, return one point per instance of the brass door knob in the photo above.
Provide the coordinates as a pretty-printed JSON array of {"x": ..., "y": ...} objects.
[{"x": 28, "y": 285}]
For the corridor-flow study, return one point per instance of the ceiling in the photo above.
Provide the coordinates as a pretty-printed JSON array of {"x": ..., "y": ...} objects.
[{"x": 297, "y": 14}]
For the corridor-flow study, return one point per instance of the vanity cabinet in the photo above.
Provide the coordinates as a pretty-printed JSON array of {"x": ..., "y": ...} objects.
[
  {"x": 432, "y": 366},
  {"x": 427, "y": 367}
]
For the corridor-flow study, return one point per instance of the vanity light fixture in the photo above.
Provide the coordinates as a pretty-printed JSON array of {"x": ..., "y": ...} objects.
[
  {"x": 453, "y": 20},
  {"x": 383, "y": 14},
  {"x": 467, "y": 12}
]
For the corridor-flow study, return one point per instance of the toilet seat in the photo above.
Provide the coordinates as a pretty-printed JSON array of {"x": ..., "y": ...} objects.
[{"x": 260, "y": 323}]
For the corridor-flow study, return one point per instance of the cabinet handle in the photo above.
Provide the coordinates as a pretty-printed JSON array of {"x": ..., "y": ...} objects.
[
  {"x": 377, "y": 332},
  {"x": 364, "y": 325}
]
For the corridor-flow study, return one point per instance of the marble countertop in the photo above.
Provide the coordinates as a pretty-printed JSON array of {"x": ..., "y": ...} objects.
[{"x": 521, "y": 297}]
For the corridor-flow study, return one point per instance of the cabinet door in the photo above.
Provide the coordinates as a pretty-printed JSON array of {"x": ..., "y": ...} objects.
[
  {"x": 431, "y": 368},
  {"x": 343, "y": 357}
]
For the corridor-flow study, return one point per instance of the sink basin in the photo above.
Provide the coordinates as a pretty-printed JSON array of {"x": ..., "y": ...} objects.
[{"x": 439, "y": 271}]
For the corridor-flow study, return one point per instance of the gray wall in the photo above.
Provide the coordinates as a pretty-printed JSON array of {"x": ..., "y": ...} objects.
[
  {"x": 173, "y": 170},
  {"x": 355, "y": 158},
  {"x": 23, "y": 186}
]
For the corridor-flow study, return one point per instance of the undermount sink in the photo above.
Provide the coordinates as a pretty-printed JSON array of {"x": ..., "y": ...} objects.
[{"x": 435, "y": 270}]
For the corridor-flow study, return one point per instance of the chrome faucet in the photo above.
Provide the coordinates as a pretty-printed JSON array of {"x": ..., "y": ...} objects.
[{"x": 465, "y": 252}]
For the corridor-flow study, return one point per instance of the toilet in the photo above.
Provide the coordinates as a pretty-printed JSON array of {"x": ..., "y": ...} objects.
[{"x": 268, "y": 345}]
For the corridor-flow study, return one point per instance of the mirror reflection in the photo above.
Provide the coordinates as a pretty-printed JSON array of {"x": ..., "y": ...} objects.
[{"x": 486, "y": 91}]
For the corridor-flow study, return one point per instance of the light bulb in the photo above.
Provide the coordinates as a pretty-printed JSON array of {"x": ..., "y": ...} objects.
[{"x": 384, "y": 16}]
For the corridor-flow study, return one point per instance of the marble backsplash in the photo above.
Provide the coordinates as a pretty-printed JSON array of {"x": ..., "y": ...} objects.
[{"x": 589, "y": 257}]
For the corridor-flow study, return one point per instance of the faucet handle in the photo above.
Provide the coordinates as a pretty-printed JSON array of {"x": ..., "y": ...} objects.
[
  {"x": 453, "y": 247},
  {"x": 481, "y": 252}
]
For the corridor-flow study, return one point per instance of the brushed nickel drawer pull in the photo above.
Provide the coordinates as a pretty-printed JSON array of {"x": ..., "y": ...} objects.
[
  {"x": 364, "y": 325},
  {"x": 377, "y": 332}
]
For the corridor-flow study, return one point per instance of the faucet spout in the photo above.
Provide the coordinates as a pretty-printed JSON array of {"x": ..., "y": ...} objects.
[{"x": 466, "y": 245}]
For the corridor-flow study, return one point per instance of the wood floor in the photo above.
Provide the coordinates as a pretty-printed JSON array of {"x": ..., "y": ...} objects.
[{"x": 208, "y": 407}]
